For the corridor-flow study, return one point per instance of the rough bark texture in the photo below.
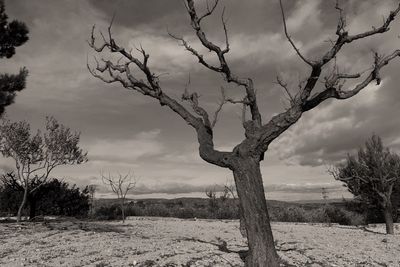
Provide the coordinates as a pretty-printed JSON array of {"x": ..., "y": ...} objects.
[
  {"x": 252, "y": 200},
  {"x": 388, "y": 214},
  {"x": 242, "y": 226}
]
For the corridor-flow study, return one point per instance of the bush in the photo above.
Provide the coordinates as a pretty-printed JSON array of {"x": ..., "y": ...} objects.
[
  {"x": 112, "y": 212},
  {"x": 318, "y": 215},
  {"x": 54, "y": 197},
  {"x": 227, "y": 211},
  {"x": 288, "y": 214},
  {"x": 157, "y": 210},
  {"x": 230, "y": 210},
  {"x": 326, "y": 214},
  {"x": 183, "y": 213}
]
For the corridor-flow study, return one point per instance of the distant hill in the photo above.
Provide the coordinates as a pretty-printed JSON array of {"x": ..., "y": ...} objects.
[
  {"x": 321, "y": 201},
  {"x": 196, "y": 202}
]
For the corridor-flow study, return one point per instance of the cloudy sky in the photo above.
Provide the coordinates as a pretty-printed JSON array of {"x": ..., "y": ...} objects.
[{"x": 125, "y": 131}]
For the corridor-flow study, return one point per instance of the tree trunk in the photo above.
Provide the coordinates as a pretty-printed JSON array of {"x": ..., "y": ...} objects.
[
  {"x": 388, "y": 214},
  {"x": 123, "y": 210},
  {"x": 32, "y": 207},
  {"x": 242, "y": 226},
  {"x": 22, "y": 203},
  {"x": 251, "y": 194}
]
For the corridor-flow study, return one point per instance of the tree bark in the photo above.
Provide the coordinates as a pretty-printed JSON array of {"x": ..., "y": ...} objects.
[
  {"x": 242, "y": 226},
  {"x": 251, "y": 194},
  {"x": 22, "y": 203},
  {"x": 388, "y": 214},
  {"x": 32, "y": 207},
  {"x": 123, "y": 210}
]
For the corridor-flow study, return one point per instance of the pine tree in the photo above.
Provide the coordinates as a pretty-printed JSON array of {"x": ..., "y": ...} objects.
[
  {"x": 12, "y": 35},
  {"x": 373, "y": 176}
]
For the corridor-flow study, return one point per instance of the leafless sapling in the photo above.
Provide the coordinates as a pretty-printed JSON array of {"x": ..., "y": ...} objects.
[{"x": 120, "y": 185}]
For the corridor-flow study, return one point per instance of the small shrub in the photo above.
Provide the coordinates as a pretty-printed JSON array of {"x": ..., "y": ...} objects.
[
  {"x": 112, "y": 212},
  {"x": 227, "y": 211},
  {"x": 157, "y": 210},
  {"x": 288, "y": 214},
  {"x": 134, "y": 210},
  {"x": 183, "y": 213},
  {"x": 345, "y": 217},
  {"x": 325, "y": 214},
  {"x": 318, "y": 216}
]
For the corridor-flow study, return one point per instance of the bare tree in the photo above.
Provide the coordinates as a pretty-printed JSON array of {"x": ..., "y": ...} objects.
[
  {"x": 230, "y": 188},
  {"x": 371, "y": 176},
  {"x": 213, "y": 204},
  {"x": 120, "y": 185},
  {"x": 244, "y": 159},
  {"x": 36, "y": 155}
]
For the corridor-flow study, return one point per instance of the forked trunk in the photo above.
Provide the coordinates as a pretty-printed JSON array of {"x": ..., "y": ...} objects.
[
  {"x": 388, "y": 219},
  {"x": 251, "y": 194},
  {"x": 22, "y": 204}
]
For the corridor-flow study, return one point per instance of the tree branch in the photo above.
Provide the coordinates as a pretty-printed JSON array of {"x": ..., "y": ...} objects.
[
  {"x": 223, "y": 67},
  {"x": 308, "y": 62},
  {"x": 345, "y": 38},
  {"x": 338, "y": 93},
  {"x": 284, "y": 85},
  {"x": 305, "y": 102},
  {"x": 121, "y": 73},
  {"x": 224, "y": 99}
]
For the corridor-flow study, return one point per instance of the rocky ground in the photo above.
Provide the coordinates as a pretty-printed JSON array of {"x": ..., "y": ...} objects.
[{"x": 175, "y": 242}]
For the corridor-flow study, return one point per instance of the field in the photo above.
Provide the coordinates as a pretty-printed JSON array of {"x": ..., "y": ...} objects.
[{"x": 145, "y": 241}]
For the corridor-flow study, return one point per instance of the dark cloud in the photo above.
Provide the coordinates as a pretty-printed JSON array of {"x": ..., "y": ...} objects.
[
  {"x": 343, "y": 127},
  {"x": 111, "y": 118},
  {"x": 150, "y": 14}
]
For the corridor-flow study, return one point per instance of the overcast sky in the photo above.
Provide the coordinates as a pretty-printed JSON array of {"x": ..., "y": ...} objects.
[{"x": 125, "y": 131}]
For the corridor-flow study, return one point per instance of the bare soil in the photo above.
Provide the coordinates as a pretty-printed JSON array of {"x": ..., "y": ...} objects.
[{"x": 176, "y": 242}]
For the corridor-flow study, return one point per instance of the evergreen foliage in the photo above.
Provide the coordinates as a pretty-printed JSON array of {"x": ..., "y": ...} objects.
[
  {"x": 54, "y": 197},
  {"x": 373, "y": 176},
  {"x": 12, "y": 34}
]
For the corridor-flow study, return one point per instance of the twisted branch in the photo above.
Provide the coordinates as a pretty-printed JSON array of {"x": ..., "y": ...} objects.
[
  {"x": 308, "y": 62},
  {"x": 120, "y": 72},
  {"x": 223, "y": 67}
]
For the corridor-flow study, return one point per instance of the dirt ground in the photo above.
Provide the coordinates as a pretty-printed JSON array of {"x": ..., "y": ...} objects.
[{"x": 175, "y": 242}]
